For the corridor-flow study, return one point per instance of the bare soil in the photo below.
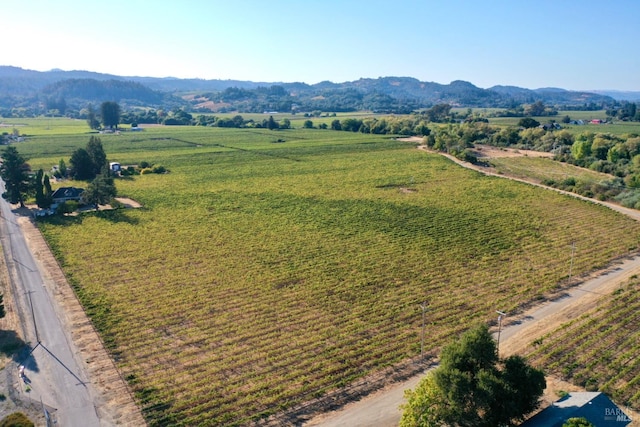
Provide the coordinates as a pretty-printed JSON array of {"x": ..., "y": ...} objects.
[{"x": 489, "y": 152}]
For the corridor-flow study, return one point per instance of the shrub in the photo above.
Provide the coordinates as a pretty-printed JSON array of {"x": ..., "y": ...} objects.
[
  {"x": 115, "y": 204},
  {"x": 67, "y": 207},
  {"x": 158, "y": 169},
  {"x": 17, "y": 419}
]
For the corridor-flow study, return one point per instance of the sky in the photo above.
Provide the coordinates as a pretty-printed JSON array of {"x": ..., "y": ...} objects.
[{"x": 575, "y": 45}]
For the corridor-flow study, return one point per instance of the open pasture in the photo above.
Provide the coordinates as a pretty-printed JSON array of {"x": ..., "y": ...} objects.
[
  {"x": 262, "y": 274},
  {"x": 616, "y": 128},
  {"x": 43, "y": 126},
  {"x": 538, "y": 169}
]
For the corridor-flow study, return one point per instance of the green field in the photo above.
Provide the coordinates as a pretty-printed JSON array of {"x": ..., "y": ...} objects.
[
  {"x": 616, "y": 128},
  {"x": 539, "y": 169},
  {"x": 263, "y": 274}
]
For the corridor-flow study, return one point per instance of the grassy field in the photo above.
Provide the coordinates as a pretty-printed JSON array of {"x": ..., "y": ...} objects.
[
  {"x": 262, "y": 274},
  {"x": 539, "y": 169},
  {"x": 43, "y": 126},
  {"x": 616, "y": 128}
]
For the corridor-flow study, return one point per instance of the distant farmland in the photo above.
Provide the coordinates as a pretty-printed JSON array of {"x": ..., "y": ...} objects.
[{"x": 263, "y": 274}]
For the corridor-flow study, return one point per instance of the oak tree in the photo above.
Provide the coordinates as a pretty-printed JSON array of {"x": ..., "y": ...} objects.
[{"x": 473, "y": 387}]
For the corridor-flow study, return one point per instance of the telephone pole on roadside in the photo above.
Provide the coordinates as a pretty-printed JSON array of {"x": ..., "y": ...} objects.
[{"x": 424, "y": 311}]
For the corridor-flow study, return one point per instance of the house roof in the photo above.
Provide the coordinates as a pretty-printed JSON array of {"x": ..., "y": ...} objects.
[
  {"x": 67, "y": 193},
  {"x": 596, "y": 407}
]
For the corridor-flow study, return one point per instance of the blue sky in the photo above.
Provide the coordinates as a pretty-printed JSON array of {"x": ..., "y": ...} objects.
[{"x": 576, "y": 45}]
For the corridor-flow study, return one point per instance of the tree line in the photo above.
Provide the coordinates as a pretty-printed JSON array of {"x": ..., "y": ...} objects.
[
  {"x": 88, "y": 164},
  {"x": 616, "y": 155}
]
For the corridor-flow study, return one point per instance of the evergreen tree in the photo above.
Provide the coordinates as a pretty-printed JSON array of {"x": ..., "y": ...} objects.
[
  {"x": 43, "y": 191},
  {"x": 97, "y": 154},
  {"x": 39, "y": 189},
  {"x": 272, "y": 124},
  {"x": 62, "y": 168},
  {"x": 15, "y": 173},
  {"x": 81, "y": 165},
  {"x": 48, "y": 192}
]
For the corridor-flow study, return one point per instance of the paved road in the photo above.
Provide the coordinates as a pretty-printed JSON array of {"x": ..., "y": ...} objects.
[{"x": 52, "y": 369}]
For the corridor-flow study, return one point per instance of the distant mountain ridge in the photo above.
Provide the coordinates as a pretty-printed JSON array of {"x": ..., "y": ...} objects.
[
  {"x": 620, "y": 95},
  {"x": 21, "y": 88}
]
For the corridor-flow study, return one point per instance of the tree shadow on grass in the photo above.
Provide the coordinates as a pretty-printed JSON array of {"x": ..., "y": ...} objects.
[
  {"x": 115, "y": 216},
  {"x": 111, "y": 215}
]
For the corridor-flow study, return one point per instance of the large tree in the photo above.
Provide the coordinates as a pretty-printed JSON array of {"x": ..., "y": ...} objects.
[
  {"x": 88, "y": 162},
  {"x": 97, "y": 154},
  {"x": 92, "y": 120},
  {"x": 100, "y": 191},
  {"x": 110, "y": 114},
  {"x": 43, "y": 190},
  {"x": 15, "y": 173},
  {"x": 81, "y": 165},
  {"x": 473, "y": 387}
]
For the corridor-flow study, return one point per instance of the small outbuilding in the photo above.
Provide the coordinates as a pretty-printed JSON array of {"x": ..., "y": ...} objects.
[{"x": 595, "y": 407}]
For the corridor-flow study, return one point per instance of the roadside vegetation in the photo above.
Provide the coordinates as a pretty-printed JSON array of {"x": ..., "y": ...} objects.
[{"x": 271, "y": 267}]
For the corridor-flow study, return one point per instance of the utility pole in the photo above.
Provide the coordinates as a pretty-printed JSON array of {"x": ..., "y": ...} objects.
[
  {"x": 500, "y": 316},
  {"x": 33, "y": 315},
  {"x": 573, "y": 251},
  {"x": 424, "y": 310}
]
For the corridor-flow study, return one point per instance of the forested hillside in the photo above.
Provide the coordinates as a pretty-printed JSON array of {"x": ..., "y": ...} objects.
[{"x": 56, "y": 92}]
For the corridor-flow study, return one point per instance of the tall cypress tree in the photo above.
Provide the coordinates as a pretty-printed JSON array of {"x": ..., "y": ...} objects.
[
  {"x": 97, "y": 154},
  {"x": 43, "y": 190}
]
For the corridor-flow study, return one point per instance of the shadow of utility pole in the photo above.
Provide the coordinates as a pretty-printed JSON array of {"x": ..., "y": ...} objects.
[{"x": 30, "y": 357}]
